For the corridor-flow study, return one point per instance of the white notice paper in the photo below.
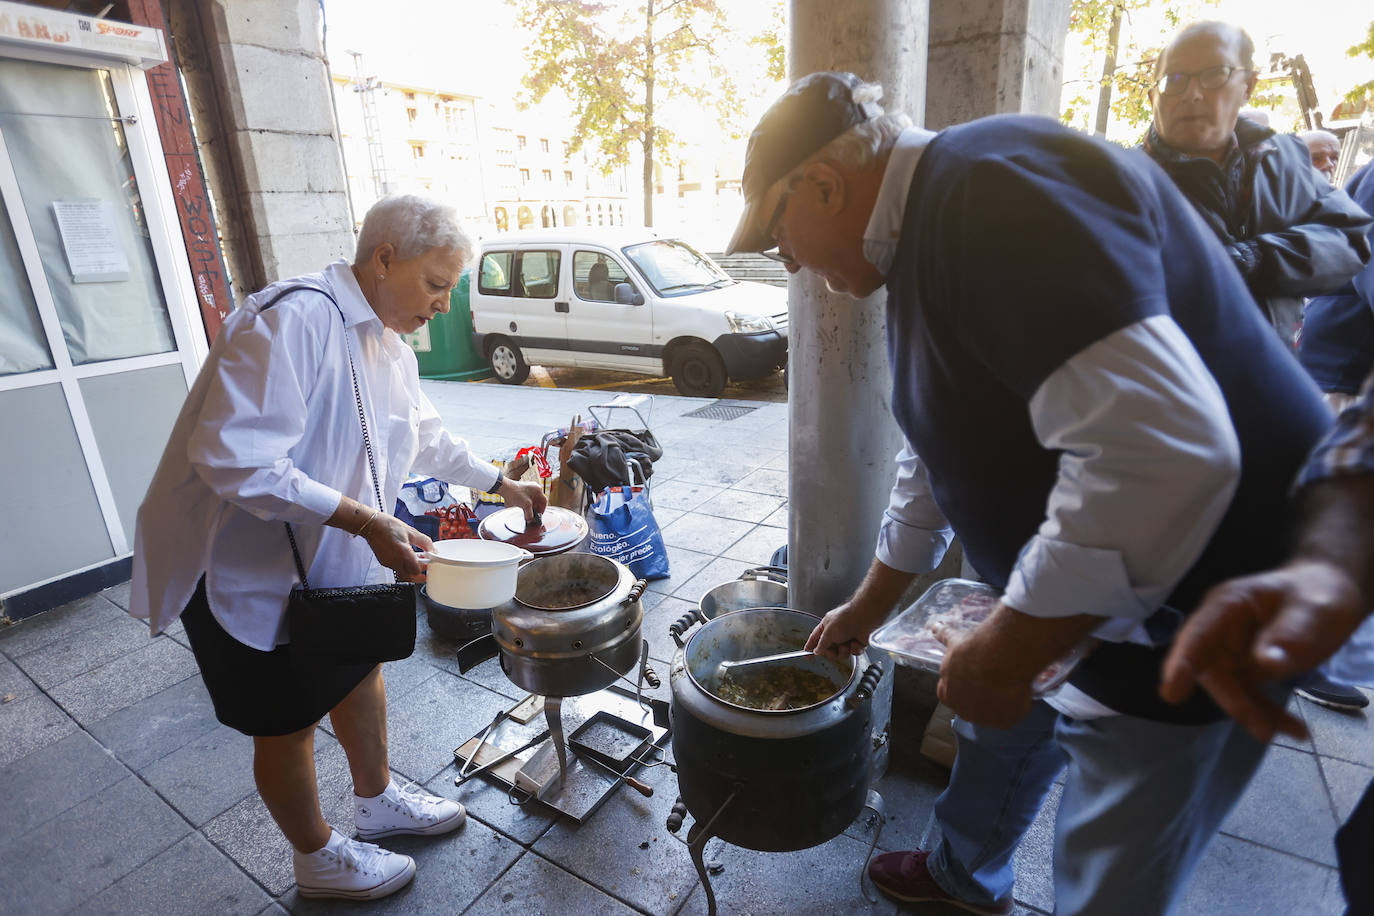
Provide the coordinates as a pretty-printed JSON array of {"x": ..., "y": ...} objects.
[{"x": 91, "y": 240}]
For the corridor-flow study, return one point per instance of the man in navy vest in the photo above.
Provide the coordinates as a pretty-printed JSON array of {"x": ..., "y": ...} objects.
[{"x": 1093, "y": 404}]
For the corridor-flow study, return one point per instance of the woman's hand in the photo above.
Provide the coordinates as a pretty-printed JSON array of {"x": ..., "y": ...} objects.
[
  {"x": 392, "y": 541},
  {"x": 527, "y": 495}
]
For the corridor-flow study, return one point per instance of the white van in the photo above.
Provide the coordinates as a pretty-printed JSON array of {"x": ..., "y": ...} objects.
[{"x": 622, "y": 299}]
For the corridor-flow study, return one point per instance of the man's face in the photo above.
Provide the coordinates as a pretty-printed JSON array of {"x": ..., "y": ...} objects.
[
  {"x": 1198, "y": 121},
  {"x": 1326, "y": 153},
  {"x": 809, "y": 235}
]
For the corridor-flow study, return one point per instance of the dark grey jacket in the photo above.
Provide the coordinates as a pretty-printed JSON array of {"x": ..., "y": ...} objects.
[{"x": 1287, "y": 230}]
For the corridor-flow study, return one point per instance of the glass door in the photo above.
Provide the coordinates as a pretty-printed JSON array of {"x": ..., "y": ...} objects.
[{"x": 99, "y": 332}]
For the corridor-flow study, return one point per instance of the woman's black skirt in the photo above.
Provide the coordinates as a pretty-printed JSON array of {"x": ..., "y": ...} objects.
[{"x": 262, "y": 693}]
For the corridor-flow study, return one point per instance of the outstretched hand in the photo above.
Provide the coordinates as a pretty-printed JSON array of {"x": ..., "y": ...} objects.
[
  {"x": 1253, "y": 631},
  {"x": 526, "y": 495}
]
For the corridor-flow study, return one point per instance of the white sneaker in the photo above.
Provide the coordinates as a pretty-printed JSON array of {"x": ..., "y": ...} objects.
[
  {"x": 351, "y": 869},
  {"x": 407, "y": 810}
]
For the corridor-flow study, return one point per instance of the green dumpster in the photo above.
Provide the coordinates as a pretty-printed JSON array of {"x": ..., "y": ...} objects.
[{"x": 443, "y": 347}]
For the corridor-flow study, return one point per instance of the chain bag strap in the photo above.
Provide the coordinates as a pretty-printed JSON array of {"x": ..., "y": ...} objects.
[{"x": 363, "y": 624}]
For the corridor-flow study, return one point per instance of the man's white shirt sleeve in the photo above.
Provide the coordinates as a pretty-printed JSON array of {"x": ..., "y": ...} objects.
[
  {"x": 914, "y": 534},
  {"x": 1149, "y": 464}
]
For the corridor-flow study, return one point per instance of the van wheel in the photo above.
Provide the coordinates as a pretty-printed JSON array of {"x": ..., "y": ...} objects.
[
  {"x": 510, "y": 367},
  {"x": 699, "y": 372}
]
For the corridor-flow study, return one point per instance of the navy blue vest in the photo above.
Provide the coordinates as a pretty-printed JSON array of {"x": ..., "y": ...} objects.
[{"x": 1023, "y": 243}]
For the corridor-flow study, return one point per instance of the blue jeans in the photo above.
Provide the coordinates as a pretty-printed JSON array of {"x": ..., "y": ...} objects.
[{"x": 1141, "y": 802}]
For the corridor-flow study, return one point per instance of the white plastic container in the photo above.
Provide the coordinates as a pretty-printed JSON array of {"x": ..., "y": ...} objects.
[{"x": 470, "y": 573}]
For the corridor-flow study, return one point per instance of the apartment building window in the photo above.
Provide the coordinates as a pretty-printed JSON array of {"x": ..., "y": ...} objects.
[
  {"x": 543, "y": 144},
  {"x": 567, "y": 177},
  {"x": 520, "y": 141},
  {"x": 546, "y": 174},
  {"x": 411, "y": 114},
  {"x": 567, "y": 149},
  {"x": 410, "y": 96},
  {"x": 524, "y": 176},
  {"x": 417, "y": 151}
]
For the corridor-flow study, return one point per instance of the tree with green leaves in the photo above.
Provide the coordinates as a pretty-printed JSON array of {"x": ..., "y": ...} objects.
[
  {"x": 1364, "y": 49},
  {"x": 1124, "y": 38},
  {"x": 620, "y": 63}
]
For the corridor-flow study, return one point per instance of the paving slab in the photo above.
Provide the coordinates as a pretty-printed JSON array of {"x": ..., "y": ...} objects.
[
  {"x": 59, "y": 623},
  {"x": 94, "y": 844},
  {"x": 1346, "y": 782},
  {"x": 125, "y": 681},
  {"x": 778, "y": 519},
  {"x": 29, "y": 724},
  {"x": 83, "y": 651},
  {"x": 118, "y": 594},
  {"x": 758, "y": 546},
  {"x": 683, "y": 494},
  {"x": 704, "y": 533},
  {"x": 1239, "y": 878},
  {"x": 206, "y": 776},
  {"x": 657, "y": 619},
  {"x": 425, "y": 725},
  {"x": 51, "y": 781},
  {"x": 909, "y": 790},
  {"x": 762, "y": 883},
  {"x": 14, "y": 683},
  {"x": 765, "y": 480},
  {"x": 718, "y": 570},
  {"x": 1344, "y": 735},
  {"x": 683, "y": 564},
  {"x": 534, "y": 886},
  {"x": 742, "y": 505},
  {"x": 158, "y": 724},
  {"x": 1286, "y": 807},
  {"x": 451, "y": 871},
  {"x": 189, "y": 879},
  {"x": 606, "y": 850}
]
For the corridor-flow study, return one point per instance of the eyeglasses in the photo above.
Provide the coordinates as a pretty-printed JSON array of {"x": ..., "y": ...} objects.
[
  {"x": 1211, "y": 78},
  {"x": 775, "y": 253}
]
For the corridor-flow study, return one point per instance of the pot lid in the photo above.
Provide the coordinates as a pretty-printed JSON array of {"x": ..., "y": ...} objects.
[{"x": 558, "y": 530}]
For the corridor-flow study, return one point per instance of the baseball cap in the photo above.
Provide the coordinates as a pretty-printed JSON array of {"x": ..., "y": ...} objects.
[{"x": 813, "y": 111}]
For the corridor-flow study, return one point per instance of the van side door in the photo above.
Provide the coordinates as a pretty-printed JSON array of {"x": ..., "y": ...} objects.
[{"x": 604, "y": 333}]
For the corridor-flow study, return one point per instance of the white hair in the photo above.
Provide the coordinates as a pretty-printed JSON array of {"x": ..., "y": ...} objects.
[
  {"x": 864, "y": 144},
  {"x": 412, "y": 225}
]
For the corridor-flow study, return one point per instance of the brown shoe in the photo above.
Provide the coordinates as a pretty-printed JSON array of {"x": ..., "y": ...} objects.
[{"x": 903, "y": 875}]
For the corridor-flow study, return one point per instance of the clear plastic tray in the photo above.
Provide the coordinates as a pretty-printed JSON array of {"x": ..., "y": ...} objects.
[{"x": 954, "y": 606}]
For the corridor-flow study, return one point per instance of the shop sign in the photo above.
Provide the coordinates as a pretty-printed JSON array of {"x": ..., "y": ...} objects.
[{"x": 35, "y": 27}]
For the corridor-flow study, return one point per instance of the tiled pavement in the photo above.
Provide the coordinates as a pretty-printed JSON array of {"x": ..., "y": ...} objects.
[{"x": 122, "y": 794}]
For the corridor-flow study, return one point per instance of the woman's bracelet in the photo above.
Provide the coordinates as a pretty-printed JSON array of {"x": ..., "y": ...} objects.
[{"x": 373, "y": 518}]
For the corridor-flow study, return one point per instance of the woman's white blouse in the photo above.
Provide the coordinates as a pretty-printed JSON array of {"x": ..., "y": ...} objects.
[{"x": 269, "y": 434}]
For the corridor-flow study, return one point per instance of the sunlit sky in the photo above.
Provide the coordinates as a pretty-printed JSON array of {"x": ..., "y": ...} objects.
[{"x": 472, "y": 45}]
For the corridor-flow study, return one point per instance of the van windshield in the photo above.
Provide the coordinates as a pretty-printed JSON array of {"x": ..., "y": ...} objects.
[{"x": 672, "y": 266}]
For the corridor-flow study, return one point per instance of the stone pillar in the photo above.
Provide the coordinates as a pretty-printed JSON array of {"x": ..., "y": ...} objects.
[
  {"x": 843, "y": 435},
  {"x": 276, "y": 124},
  {"x": 994, "y": 56}
]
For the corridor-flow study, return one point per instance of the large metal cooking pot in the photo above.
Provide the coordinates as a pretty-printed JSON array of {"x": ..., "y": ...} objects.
[
  {"x": 769, "y": 780},
  {"x": 762, "y": 586},
  {"x": 572, "y": 628}
]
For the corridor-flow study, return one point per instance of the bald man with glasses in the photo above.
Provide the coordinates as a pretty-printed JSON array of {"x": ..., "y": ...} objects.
[{"x": 1289, "y": 233}]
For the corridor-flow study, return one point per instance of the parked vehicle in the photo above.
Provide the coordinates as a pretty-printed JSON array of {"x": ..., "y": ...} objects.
[{"x": 626, "y": 300}]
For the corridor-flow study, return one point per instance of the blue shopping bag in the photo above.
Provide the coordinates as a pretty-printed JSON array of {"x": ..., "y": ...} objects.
[{"x": 622, "y": 527}]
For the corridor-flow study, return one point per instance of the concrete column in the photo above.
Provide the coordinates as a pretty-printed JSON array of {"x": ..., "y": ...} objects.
[
  {"x": 842, "y": 431},
  {"x": 993, "y": 56},
  {"x": 276, "y": 120}
]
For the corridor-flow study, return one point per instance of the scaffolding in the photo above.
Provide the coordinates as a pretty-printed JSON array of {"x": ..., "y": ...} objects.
[{"x": 366, "y": 87}]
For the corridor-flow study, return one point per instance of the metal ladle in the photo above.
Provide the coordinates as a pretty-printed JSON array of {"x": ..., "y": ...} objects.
[{"x": 724, "y": 668}]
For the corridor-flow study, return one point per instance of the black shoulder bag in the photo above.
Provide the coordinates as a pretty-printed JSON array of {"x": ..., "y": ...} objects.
[{"x": 356, "y": 624}]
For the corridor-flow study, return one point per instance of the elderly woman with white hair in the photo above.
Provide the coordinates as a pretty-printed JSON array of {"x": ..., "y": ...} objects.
[{"x": 271, "y": 432}]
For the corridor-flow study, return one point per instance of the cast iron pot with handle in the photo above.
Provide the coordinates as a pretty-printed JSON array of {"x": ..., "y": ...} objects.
[{"x": 770, "y": 780}]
